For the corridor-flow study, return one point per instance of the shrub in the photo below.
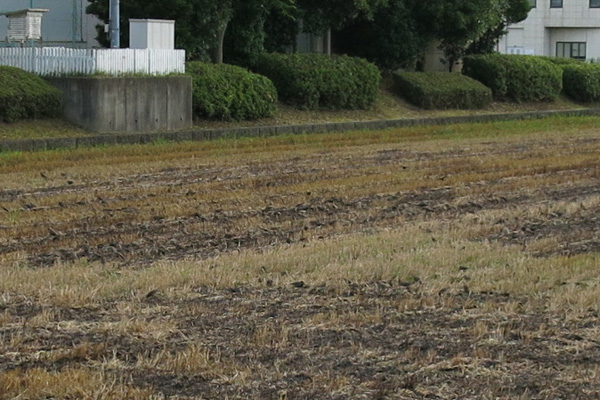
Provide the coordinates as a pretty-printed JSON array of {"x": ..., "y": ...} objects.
[
  {"x": 581, "y": 82},
  {"x": 431, "y": 90},
  {"x": 25, "y": 95},
  {"x": 516, "y": 77},
  {"x": 227, "y": 92},
  {"x": 318, "y": 81},
  {"x": 562, "y": 60}
]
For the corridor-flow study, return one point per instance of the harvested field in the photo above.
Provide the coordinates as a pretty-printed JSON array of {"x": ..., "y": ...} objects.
[{"x": 424, "y": 263}]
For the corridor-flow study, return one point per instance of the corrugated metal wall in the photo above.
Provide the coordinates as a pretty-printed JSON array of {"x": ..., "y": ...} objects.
[{"x": 64, "y": 61}]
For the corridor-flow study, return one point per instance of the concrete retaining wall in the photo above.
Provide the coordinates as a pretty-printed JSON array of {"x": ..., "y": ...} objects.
[
  {"x": 133, "y": 104},
  {"x": 212, "y": 134}
]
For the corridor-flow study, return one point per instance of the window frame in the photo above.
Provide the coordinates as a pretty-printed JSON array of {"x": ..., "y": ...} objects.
[
  {"x": 594, "y": 3},
  {"x": 572, "y": 47},
  {"x": 554, "y": 4}
]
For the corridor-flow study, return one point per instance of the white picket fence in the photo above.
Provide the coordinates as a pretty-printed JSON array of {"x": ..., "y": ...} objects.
[{"x": 57, "y": 61}]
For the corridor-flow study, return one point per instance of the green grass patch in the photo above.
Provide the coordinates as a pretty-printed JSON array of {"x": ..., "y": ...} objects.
[
  {"x": 544, "y": 126},
  {"x": 35, "y": 129}
]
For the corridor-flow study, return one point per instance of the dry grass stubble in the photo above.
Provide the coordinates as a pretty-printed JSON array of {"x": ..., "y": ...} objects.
[{"x": 438, "y": 265}]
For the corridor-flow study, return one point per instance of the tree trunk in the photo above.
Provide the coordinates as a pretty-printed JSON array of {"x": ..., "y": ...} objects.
[{"x": 216, "y": 53}]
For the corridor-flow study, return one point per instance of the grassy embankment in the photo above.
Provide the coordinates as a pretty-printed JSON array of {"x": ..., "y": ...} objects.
[{"x": 388, "y": 106}]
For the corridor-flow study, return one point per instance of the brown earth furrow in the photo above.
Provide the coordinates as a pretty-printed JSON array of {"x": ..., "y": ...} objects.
[{"x": 210, "y": 234}]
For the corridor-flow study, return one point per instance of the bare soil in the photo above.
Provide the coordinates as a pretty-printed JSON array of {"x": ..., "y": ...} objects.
[
  {"x": 104, "y": 224},
  {"x": 363, "y": 340}
]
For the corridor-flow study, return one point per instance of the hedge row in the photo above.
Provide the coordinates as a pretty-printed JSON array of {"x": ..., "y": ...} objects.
[
  {"x": 516, "y": 77},
  {"x": 24, "y": 95},
  {"x": 318, "y": 81},
  {"x": 561, "y": 60},
  {"x": 441, "y": 90},
  {"x": 227, "y": 92},
  {"x": 582, "y": 81}
]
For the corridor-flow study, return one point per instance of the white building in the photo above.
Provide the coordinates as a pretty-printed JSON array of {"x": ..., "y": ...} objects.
[
  {"x": 557, "y": 28},
  {"x": 65, "y": 24}
]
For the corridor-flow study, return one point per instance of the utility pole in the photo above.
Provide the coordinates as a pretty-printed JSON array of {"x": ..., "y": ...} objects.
[
  {"x": 31, "y": 42},
  {"x": 74, "y": 23},
  {"x": 115, "y": 41}
]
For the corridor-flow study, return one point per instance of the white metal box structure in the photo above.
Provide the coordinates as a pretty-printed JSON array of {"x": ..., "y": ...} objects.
[
  {"x": 25, "y": 25},
  {"x": 151, "y": 34}
]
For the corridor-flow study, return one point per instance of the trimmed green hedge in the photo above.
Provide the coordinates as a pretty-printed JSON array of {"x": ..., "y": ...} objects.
[
  {"x": 516, "y": 77},
  {"x": 582, "y": 81},
  {"x": 561, "y": 60},
  {"x": 228, "y": 92},
  {"x": 318, "y": 81},
  {"x": 25, "y": 95},
  {"x": 441, "y": 90}
]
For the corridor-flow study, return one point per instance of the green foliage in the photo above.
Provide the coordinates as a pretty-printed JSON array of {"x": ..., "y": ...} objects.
[
  {"x": 237, "y": 31},
  {"x": 582, "y": 81},
  {"x": 512, "y": 11},
  {"x": 317, "y": 81},
  {"x": 459, "y": 23},
  {"x": 281, "y": 30},
  {"x": 441, "y": 90},
  {"x": 227, "y": 92},
  {"x": 24, "y": 95},
  {"x": 516, "y": 77},
  {"x": 200, "y": 25},
  {"x": 319, "y": 15},
  {"x": 392, "y": 39},
  {"x": 193, "y": 30},
  {"x": 245, "y": 38},
  {"x": 562, "y": 60},
  {"x": 456, "y": 23},
  {"x": 490, "y": 73}
]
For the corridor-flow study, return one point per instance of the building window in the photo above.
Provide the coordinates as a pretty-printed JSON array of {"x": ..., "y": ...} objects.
[
  {"x": 594, "y": 3},
  {"x": 574, "y": 50},
  {"x": 555, "y": 3},
  {"x": 532, "y": 3}
]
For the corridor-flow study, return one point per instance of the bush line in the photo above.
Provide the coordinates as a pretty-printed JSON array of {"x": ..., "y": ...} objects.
[
  {"x": 516, "y": 78},
  {"x": 230, "y": 93},
  {"x": 441, "y": 90},
  {"x": 25, "y": 95},
  {"x": 319, "y": 81}
]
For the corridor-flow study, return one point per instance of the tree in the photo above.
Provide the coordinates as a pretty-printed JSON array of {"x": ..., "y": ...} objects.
[
  {"x": 319, "y": 15},
  {"x": 201, "y": 25},
  {"x": 392, "y": 39},
  {"x": 281, "y": 30},
  {"x": 195, "y": 37},
  {"x": 459, "y": 23},
  {"x": 513, "y": 11},
  {"x": 456, "y": 23}
]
